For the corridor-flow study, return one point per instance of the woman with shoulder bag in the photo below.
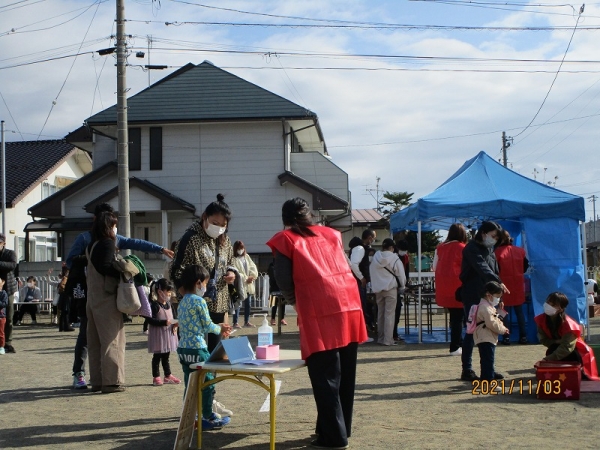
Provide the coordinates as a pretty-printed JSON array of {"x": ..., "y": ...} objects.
[{"x": 105, "y": 332}]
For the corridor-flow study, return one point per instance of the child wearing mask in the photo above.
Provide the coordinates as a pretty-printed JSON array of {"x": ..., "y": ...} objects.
[
  {"x": 562, "y": 336},
  {"x": 489, "y": 326},
  {"x": 30, "y": 294},
  {"x": 162, "y": 332},
  {"x": 194, "y": 322}
]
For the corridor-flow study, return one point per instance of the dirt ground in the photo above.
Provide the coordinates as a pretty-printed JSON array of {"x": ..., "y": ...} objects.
[{"x": 407, "y": 396}]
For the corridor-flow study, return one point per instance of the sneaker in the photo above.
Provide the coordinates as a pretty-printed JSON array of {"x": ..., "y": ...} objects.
[
  {"x": 369, "y": 339},
  {"x": 456, "y": 352},
  {"x": 468, "y": 375},
  {"x": 498, "y": 376},
  {"x": 79, "y": 381},
  {"x": 54, "y": 321},
  {"x": 18, "y": 323},
  {"x": 2, "y": 351},
  {"x": 283, "y": 322},
  {"x": 34, "y": 322},
  {"x": 145, "y": 331},
  {"x": 399, "y": 339},
  {"x": 249, "y": 325},
  {"x": 9, "y": 348},
  {"x": 214, "y": 424},
  {"x": 156, "y": 381},
  {"x": 505, "y": 340},
  {"x": 220, "y": 410},
  {"x": 523, "y": 341},
  {"x": 171, "y": 379}
]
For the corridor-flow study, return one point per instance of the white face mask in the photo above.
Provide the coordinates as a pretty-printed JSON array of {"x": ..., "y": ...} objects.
[
  {"x": 115, "y": 230},
  {"x": 214, "y": 231},
  {"x": 240, "y": 252},
  {"x": 489, "y": 241},
  {"x": 402, "y": 252},
  {"x": 30, "y": 285},
  {"x": 549, "y": 310},
  {"x": 495, "y": 301},
  {"x": 200, "y": 291}
]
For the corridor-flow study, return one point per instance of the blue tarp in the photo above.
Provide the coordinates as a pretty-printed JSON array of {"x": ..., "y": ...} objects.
[{"x": 544, "y": 219}]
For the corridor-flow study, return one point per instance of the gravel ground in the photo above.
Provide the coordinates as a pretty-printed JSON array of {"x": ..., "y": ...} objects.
[{"x": 408, "y": 396}]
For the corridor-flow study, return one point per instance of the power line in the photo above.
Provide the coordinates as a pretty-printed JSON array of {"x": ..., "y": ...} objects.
[
  {"x": 389, "y": 26},
  {"x": 69, "y": 72},
  {"x": 85, "y": 9},
  {"x": 557, "y": 72},
  {"x": 10, "y": 114},
  {"x": 20, "y": 6}
]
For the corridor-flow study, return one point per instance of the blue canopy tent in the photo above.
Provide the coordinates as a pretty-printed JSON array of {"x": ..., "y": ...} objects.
[{"x": 544, "y": 220}]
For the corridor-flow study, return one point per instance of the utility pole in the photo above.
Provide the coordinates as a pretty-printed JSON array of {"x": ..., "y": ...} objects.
[
  {"x": 122, "y": 132},
  {"x": 593, "y": 198},
  {"x": 506, "y": 141},
  {"x": 149, "y": 37},
  {"x": 4, "y": 180}
]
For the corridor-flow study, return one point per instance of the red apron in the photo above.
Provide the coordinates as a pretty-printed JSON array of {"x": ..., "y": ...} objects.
[
  {"x": 447, "y": 272},
  {"x": 510, "y": 262},
  {"x": 327, "y": 300}
]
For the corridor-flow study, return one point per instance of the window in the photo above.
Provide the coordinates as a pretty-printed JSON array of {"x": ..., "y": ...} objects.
[
  {"x": 48, "y": 189},
  {"x": 21, "y": 249},
  {"x": 135, "y": 149},
  {"x": 296, "y": 147},
  {"x": 155, "y": 148}
]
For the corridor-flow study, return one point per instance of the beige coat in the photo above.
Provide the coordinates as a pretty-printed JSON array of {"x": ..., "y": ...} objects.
[
  {"x": 493, "y": 326},
  {"x": 251, "y": 271}
]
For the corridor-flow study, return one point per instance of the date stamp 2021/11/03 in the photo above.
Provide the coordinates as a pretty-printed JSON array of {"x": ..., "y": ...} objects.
[{"x": 516, "y": 387}]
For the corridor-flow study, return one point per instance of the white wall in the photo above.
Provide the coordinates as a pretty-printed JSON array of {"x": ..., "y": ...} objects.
[{"x": 17, "y": 217}]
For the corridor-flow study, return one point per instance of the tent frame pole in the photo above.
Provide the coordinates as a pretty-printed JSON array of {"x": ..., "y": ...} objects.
[
  {"x": 420, "y": 321},
  {"x": 585, "y": 274}
]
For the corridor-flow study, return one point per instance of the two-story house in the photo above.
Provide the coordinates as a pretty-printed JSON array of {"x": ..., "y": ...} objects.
[
  {"x": 34, "y": 171},
  {"x": 198, "y": 132}
]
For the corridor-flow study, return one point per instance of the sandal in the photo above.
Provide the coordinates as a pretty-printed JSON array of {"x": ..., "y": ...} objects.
[
  {"x": 273, "y": 322},
  {"x": 283, "y": 322}
]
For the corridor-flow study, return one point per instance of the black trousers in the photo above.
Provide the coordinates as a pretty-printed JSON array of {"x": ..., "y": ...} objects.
[
  {"x": 30, "y": 309},
  {"x": 457, "y": 317},
  {"x": 214, "y": 339},
  {"x": 156, "y": 360},
  {"x": 333, "y": 377}
]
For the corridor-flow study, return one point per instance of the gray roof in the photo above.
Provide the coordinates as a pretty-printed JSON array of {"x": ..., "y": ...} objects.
[
  {"x": 29, "y": 163},
  {"x": 203, "y": 92}
]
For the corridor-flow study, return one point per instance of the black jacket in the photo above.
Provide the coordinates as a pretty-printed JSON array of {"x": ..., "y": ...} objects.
[
  {"x": 8, "y": 264},
  {"x": 479, "y": 266}
]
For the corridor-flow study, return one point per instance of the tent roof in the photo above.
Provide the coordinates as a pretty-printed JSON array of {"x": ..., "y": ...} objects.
[{"x": 484, "y": 189}]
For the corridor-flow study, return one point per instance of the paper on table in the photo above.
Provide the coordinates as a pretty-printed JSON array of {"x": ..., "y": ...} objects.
[{"x": 261, "y": 362}]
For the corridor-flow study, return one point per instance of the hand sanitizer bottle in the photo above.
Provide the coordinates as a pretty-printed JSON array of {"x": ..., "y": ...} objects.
[{"x": 265, "y": 332}]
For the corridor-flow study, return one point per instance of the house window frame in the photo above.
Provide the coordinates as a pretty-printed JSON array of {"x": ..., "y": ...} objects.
[
  {"x": 134, "y": 149},
  {"x": 155, "y": 148}
]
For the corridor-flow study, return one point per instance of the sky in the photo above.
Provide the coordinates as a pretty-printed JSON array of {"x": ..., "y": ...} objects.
[{"x": 405, "y": 91}]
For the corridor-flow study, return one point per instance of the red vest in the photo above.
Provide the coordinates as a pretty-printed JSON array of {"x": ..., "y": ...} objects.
[
  {"x": 584, "y": 350},
  {"x": 510, "y": 262},
  {"x": 447, "y": 272},
  {"x": 327, "y": 300}
]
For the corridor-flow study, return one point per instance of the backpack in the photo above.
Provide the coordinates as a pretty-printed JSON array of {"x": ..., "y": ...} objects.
[{"x": 472, "y": 323}]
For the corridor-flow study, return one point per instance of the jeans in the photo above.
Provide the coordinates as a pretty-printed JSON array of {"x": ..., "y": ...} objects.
[
  {"x": 457, "y": 316},
  {"x": 81, "y": 349},
  {"x": 486, "y": 358},
  {"x": 236, "y": 313},
  {"x": 518, "y": 309}
]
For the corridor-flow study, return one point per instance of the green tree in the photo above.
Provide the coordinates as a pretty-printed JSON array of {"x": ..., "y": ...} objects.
[{"x": 394, "y": 202}]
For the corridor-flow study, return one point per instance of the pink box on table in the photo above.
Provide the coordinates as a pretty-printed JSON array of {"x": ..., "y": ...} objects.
[{"x": 267, "y": 352}]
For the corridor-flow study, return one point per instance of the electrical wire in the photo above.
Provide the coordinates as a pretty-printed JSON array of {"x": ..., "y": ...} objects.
[
  {"x": 21, "y": 6},
  {"x": 557, "y": 72},
  {"x": 407, "y": 27},
  {"x": 11, "y": 116},
  {"x": 85, "y": 9},
  {"x": 69, "y": 72}
]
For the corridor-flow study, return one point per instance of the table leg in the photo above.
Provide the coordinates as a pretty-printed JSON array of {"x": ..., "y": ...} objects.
[
  {"x": 272, "y": 392},
  {"x": 201, "y": 376}
]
